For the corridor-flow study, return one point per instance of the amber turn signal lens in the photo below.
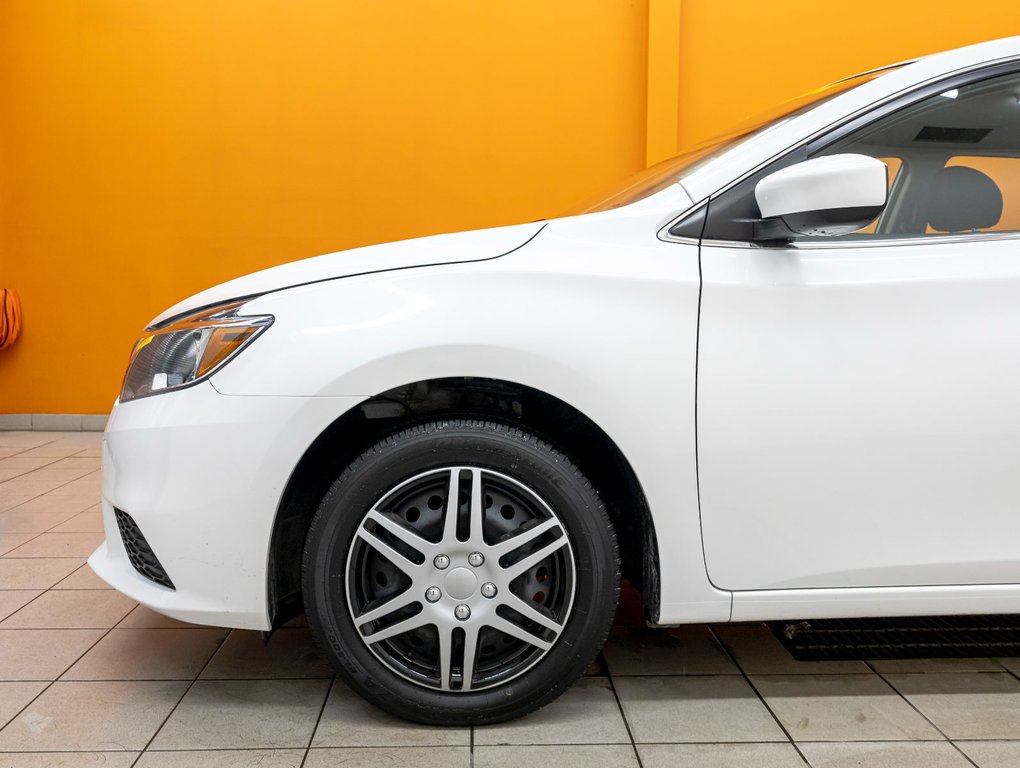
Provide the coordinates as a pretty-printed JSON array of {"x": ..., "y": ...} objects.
[
  {"x": 222, "y": 343},
  {"x": 182, "y": 353}
]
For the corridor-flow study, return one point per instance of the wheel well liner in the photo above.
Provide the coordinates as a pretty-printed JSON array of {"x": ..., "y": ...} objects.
[{"x": 562, "y": 425}]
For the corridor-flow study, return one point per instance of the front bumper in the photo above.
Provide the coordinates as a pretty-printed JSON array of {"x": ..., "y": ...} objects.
[{"x": 202, "y": 475}]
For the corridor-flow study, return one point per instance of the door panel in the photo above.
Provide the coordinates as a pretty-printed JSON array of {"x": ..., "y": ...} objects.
[{"x": 859, "y": 414}]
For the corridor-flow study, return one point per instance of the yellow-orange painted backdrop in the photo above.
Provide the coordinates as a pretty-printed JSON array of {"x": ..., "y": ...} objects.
[{"x": 150, "y": 149}]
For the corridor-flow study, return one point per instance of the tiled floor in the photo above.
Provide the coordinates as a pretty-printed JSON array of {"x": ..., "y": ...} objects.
[{"x": 88, "y": 678}]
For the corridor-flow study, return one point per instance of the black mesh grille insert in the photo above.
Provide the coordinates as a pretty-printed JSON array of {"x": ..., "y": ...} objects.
[
  {"x": 916, "y": 637},
  {"x": 139, "y": 551}
]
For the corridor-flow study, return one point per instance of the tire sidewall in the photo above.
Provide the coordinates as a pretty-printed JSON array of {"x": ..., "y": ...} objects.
[{"x": 488, "y": 445}]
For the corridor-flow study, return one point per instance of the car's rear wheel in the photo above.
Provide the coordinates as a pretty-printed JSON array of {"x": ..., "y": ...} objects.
[{"x": 461, "y": 572}]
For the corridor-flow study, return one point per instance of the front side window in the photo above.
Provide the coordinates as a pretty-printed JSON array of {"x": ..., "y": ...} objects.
[
  {"x": 953, "y": 159},
  {"x": 953, "y": 162}
]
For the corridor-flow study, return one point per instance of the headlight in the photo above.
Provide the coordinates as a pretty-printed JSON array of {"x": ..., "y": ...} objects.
[{"x": 189, "y": 350}]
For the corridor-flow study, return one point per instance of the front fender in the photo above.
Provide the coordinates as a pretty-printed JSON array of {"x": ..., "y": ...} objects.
[{"x": 609, "y": 330}]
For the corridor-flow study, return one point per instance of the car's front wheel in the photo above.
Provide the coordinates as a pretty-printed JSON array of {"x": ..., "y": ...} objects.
[{"x": 460, "y": 572}]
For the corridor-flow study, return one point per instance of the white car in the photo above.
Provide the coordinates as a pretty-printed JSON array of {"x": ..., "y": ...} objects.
[{"x": 774, "y": 379}]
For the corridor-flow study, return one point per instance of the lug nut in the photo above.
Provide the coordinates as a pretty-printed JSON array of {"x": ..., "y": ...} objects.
[
  {"x": 476, "y": 559},
  {"x": 462, "y": 612},
  {"x": 441, "y": 562},
  {"x": 432, "y": 594},
  {"x": 489, "y": 589}
]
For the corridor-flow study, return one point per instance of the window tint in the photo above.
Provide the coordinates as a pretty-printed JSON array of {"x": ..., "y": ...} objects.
[
  {"x": 953, "y": 159},
  {"x": 1005, "y": 172},
  {"x": 957, "y": 162}
]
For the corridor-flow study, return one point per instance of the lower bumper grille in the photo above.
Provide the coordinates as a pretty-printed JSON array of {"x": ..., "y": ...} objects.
[{"x": 139, "y": 552}]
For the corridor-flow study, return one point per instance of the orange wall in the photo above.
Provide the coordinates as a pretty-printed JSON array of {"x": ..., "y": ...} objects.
[
  {"x": 738, "y": 57},
  {"x": 151, "y": 149}
]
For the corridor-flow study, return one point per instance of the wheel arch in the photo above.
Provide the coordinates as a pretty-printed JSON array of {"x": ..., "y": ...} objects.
[{"x": 555, "y": 420}]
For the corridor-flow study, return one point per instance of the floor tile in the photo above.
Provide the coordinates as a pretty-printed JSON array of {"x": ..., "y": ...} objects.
[
  {"x": 9, "y": 541},
  {"x": 571, "y": 756},
  {"x": 42, "y": 654},
  {"x": 11, "y": 600},
  {"x": 83, "y": 578},
  {"x": 8, "y": 502},
  {"x": 244, "y": 714},
  {"x": 51, "y": 475},
  {"x": 719, "y": 756},
  {"x": 93, "y": 716},
  {"x": 14, "y": 696},
  {"x": 586, "y": 714},
  {"x": 759, "y": 653},
  {"x": 992, "y": 754},
  {"x": 841, "y": 708},
  {"x": 26, "y": 462},
  {"x": 68, "y": 759},
  {"x": 691, "y": 650},
  {"x": 35, "y": 573},
  {"x": 28, "y": 485},
  {"x": 89, "y": 521},
  {"x": 1012, "y": 664},
  {"x": 289, "y": 653},
  {"x": 224, "y": 758},
  {"x": 59, "y": 545},
  {"x": 350, "y": 721},
  {"x": 695, "y": 709},
  {"x": 398, "y": 757},
  {"x": 965, "y": 705},
  {"x": 9, "y": 473},
  {"x": 884, "y": 755},
  {"x": 896, "y": 666},
  {"x": 25, "y": 438},
  {"x": 148, "y": 654},
  {"x": 87, "y": 487},
  {"x": 40, "y": 513},
  {"x": 72, "y": 609},
  {"x": 56, "y": 449},
  {"x": 146, "y": 618},
  {"x": 77, "y": 462}
]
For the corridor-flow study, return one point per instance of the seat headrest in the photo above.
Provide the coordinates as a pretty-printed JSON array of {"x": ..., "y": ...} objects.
[{"x": 963, "y": 199}]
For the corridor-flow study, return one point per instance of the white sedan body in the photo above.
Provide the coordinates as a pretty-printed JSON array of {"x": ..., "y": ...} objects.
[{"x": 819, "y": 429}]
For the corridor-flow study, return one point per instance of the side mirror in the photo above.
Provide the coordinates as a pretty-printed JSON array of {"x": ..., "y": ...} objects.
[{"x": 832, "y": 195}]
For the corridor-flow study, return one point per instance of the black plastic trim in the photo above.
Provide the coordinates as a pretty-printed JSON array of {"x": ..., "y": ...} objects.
[{"x": 142, "y": 558}]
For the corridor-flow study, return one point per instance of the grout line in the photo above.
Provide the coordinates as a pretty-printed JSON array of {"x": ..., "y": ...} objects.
[
  {"x": 408, "y": 747},
  {"x": 40, "y": 533},
  {"x": 55, "y": 679},
  {"x": 623, "y": 714},
  {"x": 927, "y": 719},
  {"x": 322, "y": 709},
  {"x": 191, "y": 685},
  {"x": 761, "y": 698},
  {"x": 46, "y": 492}
]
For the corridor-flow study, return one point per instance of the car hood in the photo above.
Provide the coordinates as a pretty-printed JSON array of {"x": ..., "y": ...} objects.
[{"x": 454, "y": 248}]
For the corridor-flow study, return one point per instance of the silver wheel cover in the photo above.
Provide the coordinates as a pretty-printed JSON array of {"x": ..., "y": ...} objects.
[{"x": 460, "y": 578}]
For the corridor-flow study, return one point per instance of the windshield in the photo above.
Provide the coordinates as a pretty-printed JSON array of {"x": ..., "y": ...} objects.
[{"x": 662, "y": 175}]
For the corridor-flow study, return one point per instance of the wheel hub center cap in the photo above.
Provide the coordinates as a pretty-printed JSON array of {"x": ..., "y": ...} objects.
[{"x": 461, "y": 583}]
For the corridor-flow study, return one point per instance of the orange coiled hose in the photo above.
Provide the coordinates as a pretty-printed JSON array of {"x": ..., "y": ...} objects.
[{"x": 10, "y": 317}]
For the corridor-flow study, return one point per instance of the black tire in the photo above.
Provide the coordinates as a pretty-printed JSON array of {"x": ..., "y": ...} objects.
[{"x": 486, "y": 444}]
